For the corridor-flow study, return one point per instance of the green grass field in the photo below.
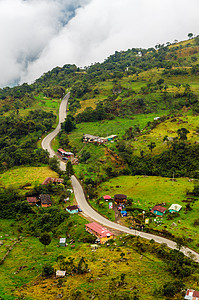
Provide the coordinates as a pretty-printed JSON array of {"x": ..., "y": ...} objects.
[
  {"x": 147, "y": 191},
  {"x": 20, "y": 176}
]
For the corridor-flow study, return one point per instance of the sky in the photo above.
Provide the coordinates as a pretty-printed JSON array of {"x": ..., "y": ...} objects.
[{"x": 38, "y": 35}]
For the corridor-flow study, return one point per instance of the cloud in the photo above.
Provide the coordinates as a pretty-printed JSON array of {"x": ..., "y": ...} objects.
[{"x": 37, "y": 35}]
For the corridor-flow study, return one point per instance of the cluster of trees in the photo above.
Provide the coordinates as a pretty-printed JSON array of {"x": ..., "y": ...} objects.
[
  {"x": 19, "y": 136},
  {"x": 180, "y": 159}
]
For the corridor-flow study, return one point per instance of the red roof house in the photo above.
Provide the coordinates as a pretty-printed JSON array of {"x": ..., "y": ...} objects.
[
  {"x": 158, "y": 210},
  {"x": 192, "y": 295},
  {"x": 32, "y": 200},
  {"x": 107, "y": 197},
  {"x": 100, "y": 232}
]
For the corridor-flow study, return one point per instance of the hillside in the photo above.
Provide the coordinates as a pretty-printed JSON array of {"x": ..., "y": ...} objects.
[{"x": 147, "y": 99}]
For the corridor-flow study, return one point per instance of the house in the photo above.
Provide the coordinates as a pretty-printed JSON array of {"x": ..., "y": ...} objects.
[
  {"x": 65, "y": 153},
  {"x": 53, "y": 180},
  {"x": 191, "y": 295},
  {"x": 107, "y": 197},
  {"x": 73, "y": 209},
  {"x": 120, "y": 198},
  {"x": 159, "y": 210},
  {"x": 62, "y": 242},
  {"x": 60, "y": 273},
  {"x": 156, "y": 118},
  {"x": 174, "y": 208},
  {"x": 100, "y": 232},
  {"x": 32, "y": 200},
  {"x": 45, "y": 200}
]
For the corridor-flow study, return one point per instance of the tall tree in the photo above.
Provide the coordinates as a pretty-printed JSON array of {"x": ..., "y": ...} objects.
[{"x": 45, "y": 239}]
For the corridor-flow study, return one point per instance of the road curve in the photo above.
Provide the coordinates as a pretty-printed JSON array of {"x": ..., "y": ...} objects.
[{"x": 87, "y": 210}]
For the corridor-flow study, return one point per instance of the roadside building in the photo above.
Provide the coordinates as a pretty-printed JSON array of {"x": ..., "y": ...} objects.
[
  {"x": 120, "y": 199},
  {"x": 32, "y": 200},
  {"x": 191, "y": 295},
  {"x": 159, "y": 210},
  {"x": 100, "y": 232},
  {"x": 45, "y": 200},
  {"x": 73, "y": 209},
  {"x": 174, "y": 208}
]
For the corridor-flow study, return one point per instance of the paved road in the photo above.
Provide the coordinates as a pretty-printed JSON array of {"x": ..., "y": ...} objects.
[
  {"x": 46, "y": 143},
  {"x": 87, "y": 210}
]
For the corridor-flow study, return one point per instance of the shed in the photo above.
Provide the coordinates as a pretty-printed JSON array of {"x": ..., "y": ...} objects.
[
  {"x": 159, "y": 210},
  {"x": 45, "y": 200},
  {"x": 32, "y": 200},
  {"x": 62, "y": 242},
  {"x": 107, "y": 197},
  {"x": 175, "y": 208},
  {"x": 124, "y": 213},
  {"x": 60, "y": 273},
  {"x": 73, "y": 209},
  {"x": 120, "y": 198}
]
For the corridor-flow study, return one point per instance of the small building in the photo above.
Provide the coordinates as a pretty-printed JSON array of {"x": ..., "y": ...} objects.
[
  {"x": 156, "y": 118},
  {"x": 60, "y": 273},
  {"x": 73, "y": 209},
  {"x": 174, "y": 208},
  {"x": 53, "y": 180},
  {"x": 88, "y": 138},
  {"x": 111, "y": 137},
  {"x": 62, "y": 242},
  {"x": 45, "y": 200},
  {"x": 100, "y": 232},
  {"x": 120, "y": 198},
  {"x": 124, "y": 213},
  {"x": 32, "y": 200},
  {"x": 159, "y": 210},
  {"x": 107, "y": 197},
  {"x": 191, "y": 295}
]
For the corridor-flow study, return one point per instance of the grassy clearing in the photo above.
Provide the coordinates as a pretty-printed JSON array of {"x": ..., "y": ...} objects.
[
  {"x": 149, "y": 191},
  {"x": 20, "y": 176},
  {"x": 168, "y": 128},
  {"x": 104, "y": 265}
]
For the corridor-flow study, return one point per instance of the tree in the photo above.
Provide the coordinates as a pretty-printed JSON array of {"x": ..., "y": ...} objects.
[
  {"x": 190, "y": 35},
  {"x": 45, "y": 239},
  {"x": 47, "y": 270},
  {"x": 182, "y": 133},
  {"x": 69, "y": 169},
  {"x": 151, "y": 146},
  {"x": 54, "y": 164},
  {"x": 69, "y": 124}
]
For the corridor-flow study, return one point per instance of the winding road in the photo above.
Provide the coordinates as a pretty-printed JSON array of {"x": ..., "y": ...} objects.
[{"x": 87, "y": 210}]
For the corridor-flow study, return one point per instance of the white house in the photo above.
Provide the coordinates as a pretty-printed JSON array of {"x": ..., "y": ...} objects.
[{"x": 174, "y": 208}]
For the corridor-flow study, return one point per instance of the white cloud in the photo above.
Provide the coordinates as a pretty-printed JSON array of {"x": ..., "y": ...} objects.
[{"x": 37, "y": 35}]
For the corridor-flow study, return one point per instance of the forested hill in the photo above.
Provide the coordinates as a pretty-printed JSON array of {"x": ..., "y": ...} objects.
[
  {"x": 161, "y": 80},
  {"x": 176, "y": 59}
]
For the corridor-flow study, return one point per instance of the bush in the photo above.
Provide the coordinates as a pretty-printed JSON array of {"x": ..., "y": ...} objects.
[{"x": 47, "y": 270}]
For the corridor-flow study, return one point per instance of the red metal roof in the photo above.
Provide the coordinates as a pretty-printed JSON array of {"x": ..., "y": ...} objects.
[
  {"x": 103, "y": 232},
  {"x": 31, "y": 199},
  {"x": 159, "y": 208},
  {"x": 107, "y": 197},
  {"x": 195, "y": 294}
]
